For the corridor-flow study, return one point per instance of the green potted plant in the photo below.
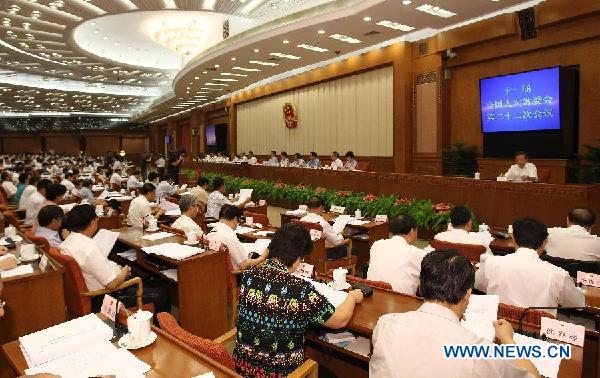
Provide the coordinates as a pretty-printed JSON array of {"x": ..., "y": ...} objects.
[
  {"x": 460, "y": 160},
  {"x": 591, "y": 164}
]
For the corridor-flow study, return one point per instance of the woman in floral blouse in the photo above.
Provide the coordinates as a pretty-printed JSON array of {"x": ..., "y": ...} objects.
[{"x": 276, "y": 308}]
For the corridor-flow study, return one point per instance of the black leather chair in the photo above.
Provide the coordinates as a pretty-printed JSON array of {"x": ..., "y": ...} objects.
[{"x": 572, "y": 266}]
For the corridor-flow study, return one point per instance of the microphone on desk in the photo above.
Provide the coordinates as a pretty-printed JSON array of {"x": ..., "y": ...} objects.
[{"x": 543, "y": 336}]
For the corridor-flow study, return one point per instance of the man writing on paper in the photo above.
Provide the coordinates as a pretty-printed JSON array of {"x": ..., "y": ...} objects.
[
  {"x": 522, "y": 170},
  {"x": 522, "y": 278},
  {"x": 217, "y": 199},
  {"x": 576, "y": 241},
  {"x": 334, "y": 241},
  {"x": 224, "y": 233},
  {"x": 98, "y": 271},
  {"x": 397, "y": 261},
  {"x": 411, "y": 344},
  {"x": 140, "y": 207},
  {"x": 189, "y": 209}
]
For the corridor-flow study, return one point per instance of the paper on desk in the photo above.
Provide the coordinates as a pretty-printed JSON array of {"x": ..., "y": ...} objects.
[
  {"x": 171, "y": 273},
  {"x": 129, "y": 255},
  {"x": 104, "y": 194},
  {"x": 480, "y": 315},
  {"x": 173, "y": 250},
  {"x": 99, "y": 359},
  {"x": 547, "y": 367},
  {"x": 167, "y": 206},
  {"x": 157, "y": 236},
  {"x": 183, "y": 187},
  {"x": 485, "y": 237},
  {"x": 174, "y": 212},
  {"x": 334, "y": 297},
  {"x": 263, "y": 233},
  {"x": 258, "y": 246},
  {"x": 357, "y": 222},
  {"x": 62, "y": 339},
  {"x": 243, "y": 230},
  {"x": 18, "y": 271},
  {"x": 210, "y": 374},
  {"x": 105, "y": 240},
  {"x": 361, "y": 345},
  {"x": 340, "y": 223},
  {"x": 211, "y": 225},
  {"x": 297, "y": 212}
]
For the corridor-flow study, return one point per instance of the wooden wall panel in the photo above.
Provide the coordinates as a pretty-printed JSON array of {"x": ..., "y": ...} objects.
[
  {"x": 98, "y": 144},
  {"x": 134, "y": 144},
  {"x": 63, "y": 144},
  {"x": 22, "y": 143}
]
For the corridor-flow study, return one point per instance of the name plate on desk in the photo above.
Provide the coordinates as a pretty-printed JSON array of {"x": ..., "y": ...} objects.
[
  {"x": 562, "y": 331},
  {"x": 109, "y": 307},
  {"x": 588, "y": 279},
  {"x": 381, "y": 218},
  {"x": 305, "y": 270},
  {"x": 337, "y": 209},
  {"x": 315, "y": 234}
]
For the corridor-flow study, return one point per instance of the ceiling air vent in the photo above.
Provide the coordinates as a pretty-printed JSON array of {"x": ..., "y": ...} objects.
[
  {"x": 423, "y": 48},
  {"x": 373, "y": 32}
]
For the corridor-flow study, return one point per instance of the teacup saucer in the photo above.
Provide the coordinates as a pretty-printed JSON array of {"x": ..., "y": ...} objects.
[
  {"x": 152, "y": 229},
  {"x": 125, "y": 341},
  {"x": 188, "y": 243},
  {"x": 32, "y": 258},
  {"x": 336, "y": 286}
]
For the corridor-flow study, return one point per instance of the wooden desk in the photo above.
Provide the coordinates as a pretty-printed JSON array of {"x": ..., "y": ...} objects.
[
  {"x": 490, "y": 168},
  {"x": 496, "y": 203},
  {"x": 33, "y": 302},
  {"x": 167, "y": 357},
  {"x": 201, "y": 286},
  {"x": 361, "y": 246},
  {"x": 364, "y": 319}
]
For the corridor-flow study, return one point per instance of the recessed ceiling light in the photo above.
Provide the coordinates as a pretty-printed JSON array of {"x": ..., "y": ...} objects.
[
  {"x": 367, "y": 19},
  {"x": 263, "y": 63},
  {"x": 246, "y": 69},
  {"x": 256, "y": 50},
  {"x": 406, "y": 2},
  {"x": 395, "y": 25},
  {"x": 286, "y": 41},
  {"x": 217, "y": 66},
  {"x": 197, "y": 78},
  {"x": 287, "y": 56},
  {"x": 321, "y": 31},
  {"x": 345, "y": 38},
  {"x": 436, "y": 11},
  {"x": 233, "y": 59},
  {"x": 204, "y": 72},
  {"x": 233, "y": 74},
  {"x": 312, "y": 48},
  {"x": 225, "y": 80}
]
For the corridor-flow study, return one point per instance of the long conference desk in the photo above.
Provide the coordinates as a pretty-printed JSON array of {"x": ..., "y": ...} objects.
[{"x": 495, "y": 203}]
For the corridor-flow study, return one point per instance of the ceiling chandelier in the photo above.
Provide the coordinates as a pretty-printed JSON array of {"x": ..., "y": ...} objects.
[{"x": 187, "y": 39}]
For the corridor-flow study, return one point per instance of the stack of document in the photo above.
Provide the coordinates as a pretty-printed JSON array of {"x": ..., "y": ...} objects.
[
  {"x": 264, "y": 233},
  {"x": 480, "y": 315},
  {"x": 168, "y": 206},
  {"x": 340, "y": 223},
  {"x": 244, "y": 195},
  {"x": 18, "y": 271},
  {"x": 173, "y": 250},
  {"x": 67, "y": 208},
  {"x": 547, "y": 367},
  {"x": 129, "y": 255},
  {"x": 334, "y": 297},
  {"x": 171, "y": 273},
  {"x": 173, "y": 213},
  {"x": 361, "y": 346},
  {"x": 79, "y": 348},
  {"x": 157, "y": 236},
  {"x": 297, "y": 212},
  {"x": 340, "y": 338}
]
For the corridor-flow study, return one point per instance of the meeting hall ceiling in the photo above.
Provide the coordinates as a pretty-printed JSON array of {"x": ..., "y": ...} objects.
[{"x": 149, "y": 59}]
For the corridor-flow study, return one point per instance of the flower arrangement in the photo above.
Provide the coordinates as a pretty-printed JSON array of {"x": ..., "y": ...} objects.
[{"x": 427, "y": 214}]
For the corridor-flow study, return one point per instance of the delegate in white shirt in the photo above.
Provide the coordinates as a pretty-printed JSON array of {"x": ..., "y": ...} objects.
[
  {"x": 411, "y": 344},
  {"x": 222, "y": 233},
  {"x": 573, "y": 242},
  {"x": 29, "y": 190},
  {"x": 187, "y": 224},
  {"x": 138, "y": 210},
  {"x": 10, "y": 188},
  {"x": 396, "y": 262},
  {"x": 459, "y": 236},
  {"x": 332, "y": 238},
  {"x": 116, "y": 178},
  {"x": 98, "y": 271},
  {"x": 68, "y": 184},
  {"x": 515, "y": 172},
  {"x": 216, "y": 200},
  {"x": 133, "y": 182},
  {"x": 33, "y": 206},
  {"x": 523, "y": 279},
  {"x": 337, "y": 164},
  {"x": 51, "y": 236}
]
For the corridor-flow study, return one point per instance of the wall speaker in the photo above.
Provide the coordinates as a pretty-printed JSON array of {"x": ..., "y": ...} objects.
[{"x": 527, "y": 23}]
